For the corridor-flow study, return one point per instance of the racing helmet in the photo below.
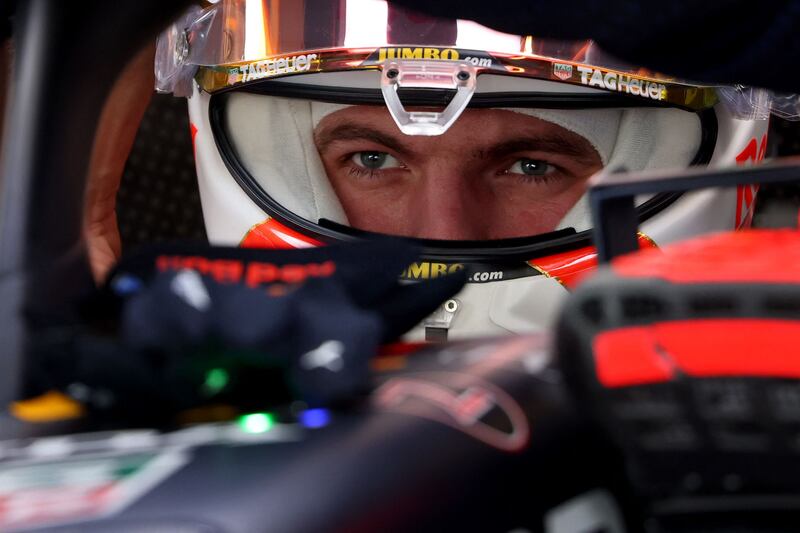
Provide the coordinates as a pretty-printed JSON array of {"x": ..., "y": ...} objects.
[{"x": 273, "y": 85}]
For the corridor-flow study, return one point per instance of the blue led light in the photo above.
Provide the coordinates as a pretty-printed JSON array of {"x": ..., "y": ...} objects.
[
  {"x": 315, "y": 418},
  {"x": 124, "y": 284}
]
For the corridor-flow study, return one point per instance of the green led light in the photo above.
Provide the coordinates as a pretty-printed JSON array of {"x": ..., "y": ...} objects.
[
  {"x": 256, "y": 422},
  {"x": 216, "y": 380}
]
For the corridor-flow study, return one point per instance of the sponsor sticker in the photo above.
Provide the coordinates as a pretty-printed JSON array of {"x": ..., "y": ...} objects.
[
  {"x": 36, "y": 494},
  {"x": 90, "y": 476},
  {"x": 429, "y": 270},
  {"x": 623, "y": 83},
  {"x": 418, "y": 53},
  {"x": 273, "y": 67},
  {"x": 462, "y": 402},
  {"x": 562, "y": 71},
  {"x": 474, "y": 58},
  {"x": 476, "y": 273},
  {"x": 252, "y": 273},
  {"x": 467, "y": 401}
]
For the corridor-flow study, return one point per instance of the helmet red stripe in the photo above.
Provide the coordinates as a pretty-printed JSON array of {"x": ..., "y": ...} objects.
[{"x": 272, "y": 234}]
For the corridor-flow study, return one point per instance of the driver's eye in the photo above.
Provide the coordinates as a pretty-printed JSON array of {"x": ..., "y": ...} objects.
[
  {"x": 531, "y": 167},
  {"x": 374, "y": 160}
]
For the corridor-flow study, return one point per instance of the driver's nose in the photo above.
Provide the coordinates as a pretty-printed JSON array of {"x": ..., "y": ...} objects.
[{"x": 447, "y": 205}]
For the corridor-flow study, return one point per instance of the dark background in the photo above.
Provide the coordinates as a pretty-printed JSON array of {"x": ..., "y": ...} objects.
[{"x": 158, "y": 199}]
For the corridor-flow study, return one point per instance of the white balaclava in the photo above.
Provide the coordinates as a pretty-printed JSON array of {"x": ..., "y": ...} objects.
[{"x": 274, "y": 139}]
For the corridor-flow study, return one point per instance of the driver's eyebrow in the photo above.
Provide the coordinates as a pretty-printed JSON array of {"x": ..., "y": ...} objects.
[
  {"x": 349, "y": 132},
  {"x": 568, "y": 145}
]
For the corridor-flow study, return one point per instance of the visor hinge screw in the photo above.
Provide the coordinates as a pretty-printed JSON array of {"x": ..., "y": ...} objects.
[
  {"x": 451, "y": 306},
  {"x": 392, "y": 73},
  {"x": 463, "y": 75}
]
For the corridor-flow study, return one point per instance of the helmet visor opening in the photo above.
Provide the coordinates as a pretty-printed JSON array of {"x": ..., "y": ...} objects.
[{"x": 499, "y": 173}]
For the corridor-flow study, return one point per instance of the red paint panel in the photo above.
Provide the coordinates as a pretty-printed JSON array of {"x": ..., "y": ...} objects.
[
  {"x": 764, "y": 255},
  {"x": 626, "y": 357},
  {"x": 751, "y": 154},
  {"x": 193, "y": 131},
  {"x": 400, "y": 348},
  {"x": 568, "y": 268},
  {"x": 571, "y": 268},
  {"x": 698, "y": 348}
]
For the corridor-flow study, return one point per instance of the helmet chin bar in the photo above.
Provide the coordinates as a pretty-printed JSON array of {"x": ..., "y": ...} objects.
[{"x": 427, "y": 75}]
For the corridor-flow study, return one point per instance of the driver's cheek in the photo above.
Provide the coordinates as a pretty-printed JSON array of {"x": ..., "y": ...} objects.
[
  {"x": 531, "y": 210},
  {"x": 536, "y": 217},
  {"x": 456, "y": 209},
  {"x": 421, "y": 207},
  {"x": 385, "y": 209}
]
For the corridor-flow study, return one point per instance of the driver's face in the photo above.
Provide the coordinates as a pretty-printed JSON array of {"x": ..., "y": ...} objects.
[{"x": 494, "y": 174}]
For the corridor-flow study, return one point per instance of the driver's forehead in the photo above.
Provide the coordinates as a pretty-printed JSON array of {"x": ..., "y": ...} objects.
[{"x": 476, "y": 132}]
